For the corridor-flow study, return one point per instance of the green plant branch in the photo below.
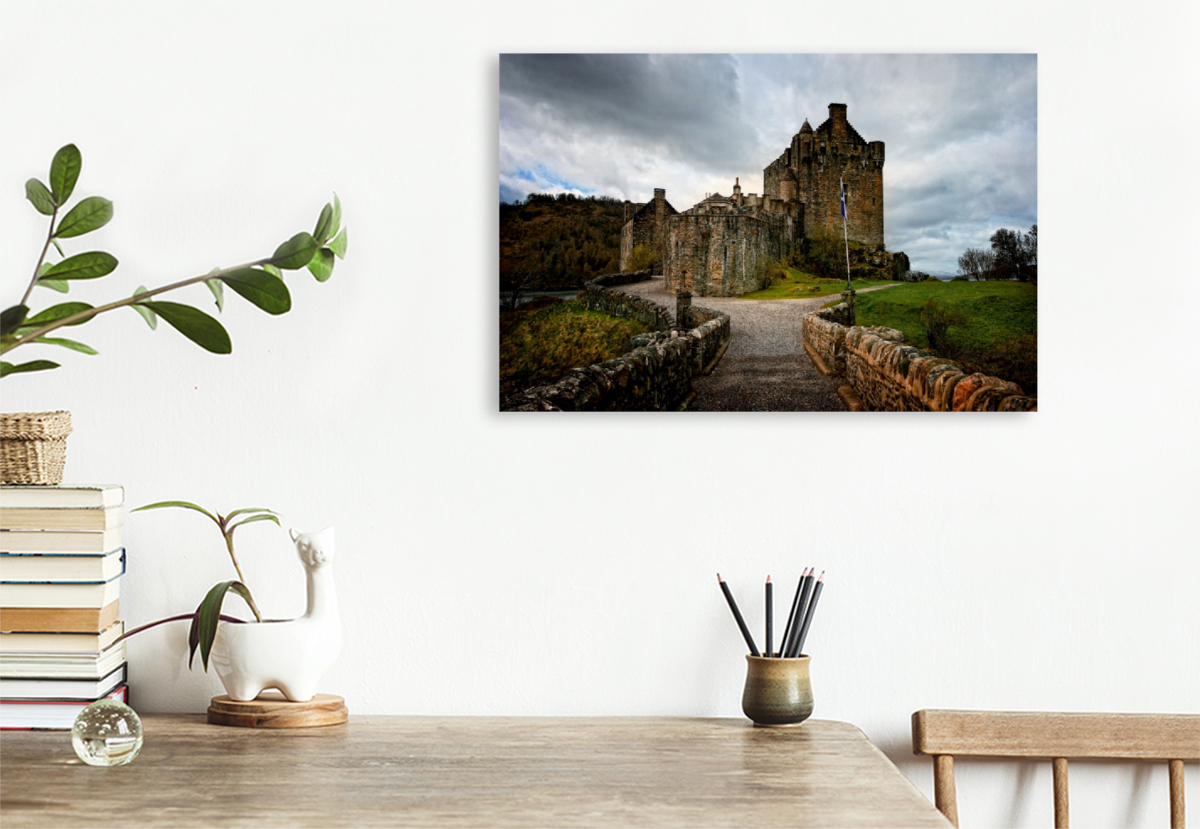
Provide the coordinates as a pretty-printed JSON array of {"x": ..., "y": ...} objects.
[
  {"x": 229, "y": 546},
  {"x": 226, "y": 528},
  {"x": 260, "y": 282},
  {"x": 83, "y": 316},
  {"x": 178, "y": 618},
  {"x": 37, "y": 269}
]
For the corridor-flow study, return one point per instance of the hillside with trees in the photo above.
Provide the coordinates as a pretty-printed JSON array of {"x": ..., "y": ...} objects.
[{"x": 558, "y": 242}]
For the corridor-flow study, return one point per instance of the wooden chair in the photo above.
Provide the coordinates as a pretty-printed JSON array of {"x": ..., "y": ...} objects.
[{"x": 945, "y": 735}]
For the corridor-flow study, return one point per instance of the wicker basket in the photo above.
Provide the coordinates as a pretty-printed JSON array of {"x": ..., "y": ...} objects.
[{"x": 33, "y": 447}]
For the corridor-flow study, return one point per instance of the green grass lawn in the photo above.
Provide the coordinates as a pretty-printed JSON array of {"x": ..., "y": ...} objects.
[
  {"x": 999, "y": 338},
  {"x": 800, "y": 285},
  {"x": 540, "y": 346}
]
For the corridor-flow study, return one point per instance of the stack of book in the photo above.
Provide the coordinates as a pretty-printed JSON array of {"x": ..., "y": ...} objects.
[{"x": 61, "y": 562}]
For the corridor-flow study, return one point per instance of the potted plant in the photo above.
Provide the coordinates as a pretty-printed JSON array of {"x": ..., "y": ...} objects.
[
  {"x": 249, "y": 657},
  {"x": 33, "y": 445}
]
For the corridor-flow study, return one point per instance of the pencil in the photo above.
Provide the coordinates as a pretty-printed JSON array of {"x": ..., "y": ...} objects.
[
  {"x": 791, "y": 622},
  {"x": 801, "y": 614},
  {"x": 737, "y": 615},
  {"x": 805, "y": 587},
  {"x": 808, "y": 617},
  {"x": 770, "y": 613}
]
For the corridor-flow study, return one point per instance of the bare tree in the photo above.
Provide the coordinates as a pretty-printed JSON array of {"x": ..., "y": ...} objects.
[{"x": 977, "y": 263}]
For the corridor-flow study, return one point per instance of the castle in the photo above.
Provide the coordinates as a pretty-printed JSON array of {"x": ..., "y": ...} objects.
[{"x": 714, "y": 249}]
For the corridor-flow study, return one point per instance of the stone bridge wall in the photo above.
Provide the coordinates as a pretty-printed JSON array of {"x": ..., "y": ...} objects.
[
  {"x": 710, "y": 334},
  {"x": 655, "y": 376},
  {"x": 888, "y": 375},
  {"x": 598, "y": 295}
]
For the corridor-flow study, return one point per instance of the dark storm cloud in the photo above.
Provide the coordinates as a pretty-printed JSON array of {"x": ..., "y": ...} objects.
[
  {"x": 677, "y": 104},
  {"x": 960, "y": 132}
]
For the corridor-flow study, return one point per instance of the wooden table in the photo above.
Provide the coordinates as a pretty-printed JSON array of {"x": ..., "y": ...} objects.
[{"x": 466, "y": 771}]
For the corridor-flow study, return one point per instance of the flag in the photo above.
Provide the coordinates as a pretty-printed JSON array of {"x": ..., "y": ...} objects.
[{"x": 843, "y": 186}]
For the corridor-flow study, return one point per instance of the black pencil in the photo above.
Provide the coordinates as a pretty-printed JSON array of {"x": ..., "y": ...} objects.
[
  {"x": 737, "y": 615},
  {"x": 770, "y": 613},
  {"x": 808, "y": 616},
  {"x": 791, "y": 622},
  {"x": 802, "y": 614},
  {"x": 789, "y": 647}
]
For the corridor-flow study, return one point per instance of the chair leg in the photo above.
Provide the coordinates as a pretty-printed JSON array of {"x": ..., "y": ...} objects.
[
  {"x": 1178, "y": 821},
  {"x": 1062, "y": 809},
  {"x": 943, "y": 787}
]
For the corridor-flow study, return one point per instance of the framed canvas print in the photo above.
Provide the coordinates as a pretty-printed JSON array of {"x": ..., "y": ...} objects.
[{"x": 768, "y": 232}]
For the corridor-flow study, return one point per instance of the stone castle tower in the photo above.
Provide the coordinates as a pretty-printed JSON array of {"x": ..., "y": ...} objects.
[
  {"x": 809, "y": 170},
  {"x": 646, "y": 225}
]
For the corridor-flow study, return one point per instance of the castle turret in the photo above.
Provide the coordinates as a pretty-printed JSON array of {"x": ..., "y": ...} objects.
[
  {"x": 737, "y": 192},
  {"x": 876, "y": 152},
  {"x": 787, "y": 187}
]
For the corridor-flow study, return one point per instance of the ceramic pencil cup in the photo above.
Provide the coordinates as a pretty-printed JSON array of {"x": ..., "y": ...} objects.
[{"x": 778, "y": 691}]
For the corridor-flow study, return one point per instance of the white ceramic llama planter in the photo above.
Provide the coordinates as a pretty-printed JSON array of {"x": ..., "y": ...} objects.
[{"x": 291, "y": 655}]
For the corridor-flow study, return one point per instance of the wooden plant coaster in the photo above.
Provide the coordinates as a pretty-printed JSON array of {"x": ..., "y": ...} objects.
[{"x": 271, "y": 709}]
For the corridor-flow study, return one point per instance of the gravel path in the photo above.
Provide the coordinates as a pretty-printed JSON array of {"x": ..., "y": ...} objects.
[{"x": 765, "y": 368}]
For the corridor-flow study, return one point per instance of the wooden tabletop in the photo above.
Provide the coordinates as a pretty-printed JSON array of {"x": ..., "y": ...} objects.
[{"x": 466, "y": 771}]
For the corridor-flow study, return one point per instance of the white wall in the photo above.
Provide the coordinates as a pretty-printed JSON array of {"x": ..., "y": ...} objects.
[{"x": 537, "y": 565}]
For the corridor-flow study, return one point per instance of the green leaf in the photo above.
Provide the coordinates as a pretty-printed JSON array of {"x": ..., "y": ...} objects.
[
  {"x": 261, "y": 288},
  {"x": 36, "y": 365},
  {"x": 11, "y": 319},
  {"x": 325, "y": 227},
  {"x": 218, "y": 292},
  {"x": 65, "y": 343},
  {"x": 295, "y": 253},
  {"x": 182, "y": 504},
  {"x": 194, "y": 637},
  {"x": 194, "y": 324},
  {"x": 245, "y": 510},
  {"x": 91, "y": 213},
  {"x": 322, "y": 264},
  {"x": 89, "y": 265},
  {"x": 64, "y": 172},
  {"x": 149, "y": 316},
  {"x": 39, "y": 195},
  {"x": 60, "y": 285},
  {"x": 208, "y": 615},
  {"x": 337, "y": 214},
  {"x": 56, "y": 312},
  {"x": 271, "y": 269},
  {"x": 251, "y": 520},
  {"x": 338, "y": 245}
]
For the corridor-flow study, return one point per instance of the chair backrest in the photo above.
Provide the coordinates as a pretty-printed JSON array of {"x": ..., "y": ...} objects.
[{"x": 945, "y": 735}]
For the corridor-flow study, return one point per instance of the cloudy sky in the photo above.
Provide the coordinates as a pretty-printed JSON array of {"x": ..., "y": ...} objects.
[{"x": 960, "y": 132}]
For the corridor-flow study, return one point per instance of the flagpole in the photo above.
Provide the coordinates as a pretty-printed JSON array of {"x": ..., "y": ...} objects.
[{"x": 845, "y": 232}]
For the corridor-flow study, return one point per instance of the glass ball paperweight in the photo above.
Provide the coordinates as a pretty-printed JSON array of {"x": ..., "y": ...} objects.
[{"x": 107, "y": 733}]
